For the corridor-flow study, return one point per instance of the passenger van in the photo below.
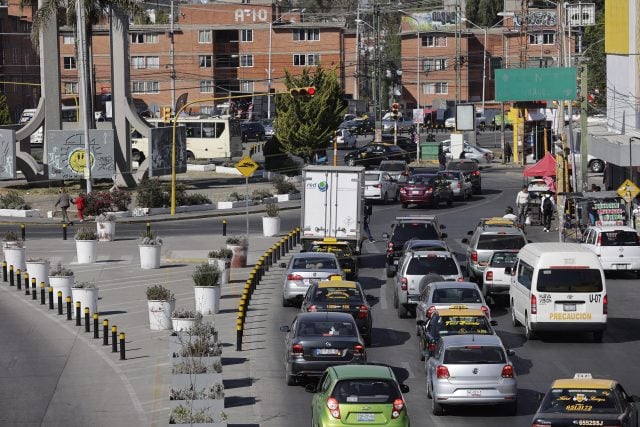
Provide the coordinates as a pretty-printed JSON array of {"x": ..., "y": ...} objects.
[{"x": 558, "y": 287}]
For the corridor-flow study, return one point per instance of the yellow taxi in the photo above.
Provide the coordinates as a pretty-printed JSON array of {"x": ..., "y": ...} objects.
[
  {"x": 497, "y": 221},
  {"x": 585, "y": 401},
  {"x": 342, "y": 250}
]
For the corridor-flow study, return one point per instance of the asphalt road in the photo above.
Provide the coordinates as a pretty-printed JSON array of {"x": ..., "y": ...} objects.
[{"x": 537, "y": 363}]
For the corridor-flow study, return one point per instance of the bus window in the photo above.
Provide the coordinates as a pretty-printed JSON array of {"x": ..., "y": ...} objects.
[{"x": 194, "y": 130}]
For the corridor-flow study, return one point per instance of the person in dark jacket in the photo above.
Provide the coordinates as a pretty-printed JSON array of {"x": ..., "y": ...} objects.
[{"x": 64, "y": 201}]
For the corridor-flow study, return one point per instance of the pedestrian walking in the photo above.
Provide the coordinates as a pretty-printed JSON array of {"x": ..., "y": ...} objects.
[
  {"x": 80, "y": 202},
  {"x": 64, "y": 201},
  {"x": 522, "y": 203},
  {"x": 368, "y": 211},
  {"x": 507, "y": 152},
  {"x": 548, "y": 206}
]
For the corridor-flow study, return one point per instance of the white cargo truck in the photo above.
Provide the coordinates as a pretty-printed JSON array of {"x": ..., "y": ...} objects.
[{"x": 333, "y": 203}]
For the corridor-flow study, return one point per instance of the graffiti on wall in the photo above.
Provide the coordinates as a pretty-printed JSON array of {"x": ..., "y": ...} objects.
[
  {"x": 66, "y": 154},
  {"x": 162, "y": 148},
  {"x": 8, "y": 153},
  {"x": 434, "y": 20},
  {"x": 537, "y": 18}
]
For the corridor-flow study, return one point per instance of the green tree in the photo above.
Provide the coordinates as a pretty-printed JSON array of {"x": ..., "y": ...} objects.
[
  {"x": 483, "y": 13},
  {"x": 306, "y": 125},
  {"x": 5, "y": 115},
  {"x": 593, "y": 47}
]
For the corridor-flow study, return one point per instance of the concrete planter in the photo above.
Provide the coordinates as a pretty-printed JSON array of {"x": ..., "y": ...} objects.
[
  {"x": 20, "y": 213},
  {"x": 88, "y": 297},
  {"x": 106, "y": 231},
  {"x": 150, "y": 256},
  {"x": 16, "y": 256},
  {"x": 239, "y": 259},
  {"x": 207, "y": 299},
  {"x": 86, "y": 251},
  {"x": 270, "y": 226},
  {"x": 63, "y": 284},
  {"x": 160, "y": 314},
  {"x": 224, "y": 265},
  {"x": 287, "y": 197},
  {"x": 182, "y": 324},
  {"x": 236, "y": 204},
  {"x": 39, "y": 270}
]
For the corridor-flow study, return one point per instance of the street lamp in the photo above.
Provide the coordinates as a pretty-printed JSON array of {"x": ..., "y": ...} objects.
[
  {"x": 418, "y": 58},
  {"x": 484, "y": 58}
]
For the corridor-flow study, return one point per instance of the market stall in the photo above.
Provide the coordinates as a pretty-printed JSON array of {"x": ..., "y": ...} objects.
[{"x": 591, "y": 208}]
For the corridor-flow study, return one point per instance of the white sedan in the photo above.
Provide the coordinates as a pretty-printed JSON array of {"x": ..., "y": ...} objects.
[
  {"x": 479, "y": 154},
  {"x": 345, "y": 139},
  {"x": 380, "y": 186}
]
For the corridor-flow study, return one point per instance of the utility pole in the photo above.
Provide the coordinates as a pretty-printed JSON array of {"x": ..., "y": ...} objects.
[
  {"x": 584, "y": 136},
  {"x": 82, "y": 71},
  {"x": 356, "y": 83},
  {"x": 458, "y": 62},
  {"x": 377, "y": 61},
  {"x": 172, "y": 58}
]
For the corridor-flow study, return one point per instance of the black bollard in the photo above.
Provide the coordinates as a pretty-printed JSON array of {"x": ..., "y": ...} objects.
[
  {"x": 64, "y": 231},
  {"x": 87, "y": 322},
  {"x": 42, "y": 294},
  {"x": 95, "y": 326},
  {"x": 4, "y": 271},
  {"x": 60, "y": 302},
  {"x": 34, "y": 293},
  {"x": 239, "y": 335},
  {"x": 105, "y": 332},
  {"x": 78, "y": 309},
  {"x": 11, "y": 276},
  {"x": 148, "y": 229},
  {"x": 69, "y": 308},
  {"x": 23, "y": 231},
  {"x": 114, "y": 339},
  {"x": 19, "y": 279},
  {"x": 26, "y": 284},
  {"x": 50, "y": 292},
  {"x": 122, "y": 350},
  {"x": 224, "y": 227}
]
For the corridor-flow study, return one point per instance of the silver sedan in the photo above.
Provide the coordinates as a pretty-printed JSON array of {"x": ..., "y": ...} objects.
[
  {"x": 471, "y": 370},
  {"x": 305, "y": 269}
]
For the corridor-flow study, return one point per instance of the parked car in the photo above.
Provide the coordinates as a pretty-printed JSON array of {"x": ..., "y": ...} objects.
[
  {"x": 345, "y": 139},
  {"x": 422, "y": 189},
  {"x": 372, "y": 154},
  {"x": 617, "y": 247},
  {"x": 405, "y": 124},
  {"x": 252, "y": 131},
  {"x": 305, "y": 269},
  {"x": 316, "y": 341},
  {"x": 473, "y": 152},
  {"x": 380, "y": 186},
  {"x": 471, "y": 169},
  {"x": 450, "y": 123},
  {"x": 460, "y": 183},
  {"x": 471, "y": 370},
  {"x": 395, "y": 168},
  {"x": 363, "y": 394}
]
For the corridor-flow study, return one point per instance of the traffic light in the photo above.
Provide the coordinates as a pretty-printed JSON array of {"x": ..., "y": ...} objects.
[
  {"x": 394, "y": 111},
  {"x": 165, "y": 114},
  {"x": 306, "y": 92}
]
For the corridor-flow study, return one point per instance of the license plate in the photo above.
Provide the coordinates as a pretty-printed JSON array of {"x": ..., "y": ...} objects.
[
  {"x": 366, "y": 417},
  {"x": 338, "y": 306},
  {"x": 621, "y": 266},
  {"x": 569, "y": 307},
  {"x": 474, "y": 393},
  {"x": 416, "y": 192},
  {"x": 327, "y": 352}
]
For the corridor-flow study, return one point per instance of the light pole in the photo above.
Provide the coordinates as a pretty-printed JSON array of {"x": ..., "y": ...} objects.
[
  {"x": 484, "y": 59},
  {"x": 418, "y": 58}
]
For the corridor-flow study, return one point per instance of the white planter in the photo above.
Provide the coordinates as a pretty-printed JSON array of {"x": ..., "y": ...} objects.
[
  {"x": 86, "y": 251},
  {"x": 88, "y": 297},
  {"x": 39, "y": 270},
  {"x": 239, "y": 259},
  {"x": 270, "y": 226},
  {"x": 61, "y": 283},
  {"x": 182, "y": 324},
  {"x": 224, "y": 265},
  {"x": 15, "y": 256},
  {"x": 106, "y": 231},
  {"x": 150, "y": 256},
  {"x": 207, "y": 299},
  {"x": 160, "y": 314}
]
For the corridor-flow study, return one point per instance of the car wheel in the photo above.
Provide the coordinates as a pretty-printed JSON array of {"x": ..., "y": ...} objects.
[
  {"x": 436, "y": 408},
  {"x": 397, "y": 196},
  {"x": 405, "y": 205},
  {"x": 514, "y": 321},
  {"x": 351, "y": 162},
  {"x": 190, "y": 156},
  {"x": 597, "y": 336},
  {"x": 528, "y": 332},
  {"x": 402, "y": 311},
  {"x": 285, "y": 302},
  {"x": 291, "y": 379},
  {"x": 596, "y": 166},
  {"x": 512, "y": 408}
]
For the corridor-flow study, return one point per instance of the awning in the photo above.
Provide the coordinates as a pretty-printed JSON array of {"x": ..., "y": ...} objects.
[{"x": 545, "y": 167}]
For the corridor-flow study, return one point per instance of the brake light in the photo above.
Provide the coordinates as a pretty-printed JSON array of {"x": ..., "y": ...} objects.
[
  {"x": 507, "y": 371},
  {"x": 402, "y": 190},
  {"x": 363, "y": 313},
  {"x": 404, "y": 283},
  {"x": 431, "y": 347},
  {"x": 605, "y": 305},
  {"x": 488, "y": 275},
  {"x": 358, "y": 350},
  {"x": 599, "y": 240},
  {"x": 534, "y": 305},
  {"x": 296, "y": 350},
  {"x": 430, "y": 311},
  {"x": 474, "y": 257},
  {"x": 485, "y": 310},
  {"x": 398, "y": 405},
  {"x": 460, "y": 279},
  {"x": 334, "y": 407},
  {"x": 442, "y": 372},
  {"x": 312, "y": 308},
  {"x": 429, "y": 189},
  {"x": 390, "y": 247},
  {"x": 294, "y": 277}
]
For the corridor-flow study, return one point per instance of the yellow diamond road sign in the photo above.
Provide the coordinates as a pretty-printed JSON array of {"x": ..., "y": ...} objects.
[
  {"x": 628, "y": 190},
  {"x": 246, "y": 166}
]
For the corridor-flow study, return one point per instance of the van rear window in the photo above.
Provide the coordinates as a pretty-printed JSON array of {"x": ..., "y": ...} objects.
[
  {"x": 620, "y": 238},
  {"x": 444, "y": 266},
  {"x": 569, "y": 280}
]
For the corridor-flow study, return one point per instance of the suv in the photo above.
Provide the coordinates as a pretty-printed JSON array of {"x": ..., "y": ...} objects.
[
  {"x": 404, "y": 228},
  {"x": 252, "y": 130},
  {"x": 617, "y": 246},
  {"x": 486, "y": 239},
  {"x": 413, "y": 267},
  {"x": 395, "y": 168},
  {"x": 471, "y": 169}
]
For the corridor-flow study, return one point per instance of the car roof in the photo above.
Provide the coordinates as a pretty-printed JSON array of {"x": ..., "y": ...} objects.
[
  {"x": 434, "y": 254},
  {"x": 337, "y": 284},
  {"x": 501, "y": 230},
  {"x": 470, "y": 339},
  {"x": 416, "y": 218},
  {"x": 362, "y": 371},
  {"x": 313, "y": 255},
  {"x": 454, "y": 285},
  {"x": 583, "y": 383},
  {"x": 498, "y": 221},
  {"x": 427, "y": 242},
  {"x": 546, "y": 248},
  {"x": 460, "y": 311},
  {"x": 324, "y": 316}
]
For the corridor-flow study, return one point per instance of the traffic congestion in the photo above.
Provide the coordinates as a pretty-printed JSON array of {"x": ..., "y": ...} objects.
[{"x": 416, "y": 309}]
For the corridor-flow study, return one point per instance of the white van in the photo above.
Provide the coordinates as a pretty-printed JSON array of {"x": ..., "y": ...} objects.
[{"x": 558, "y": 287}]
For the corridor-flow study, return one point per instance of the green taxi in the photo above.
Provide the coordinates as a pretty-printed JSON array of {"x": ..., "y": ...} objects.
[{"x": 358, "y": 395}]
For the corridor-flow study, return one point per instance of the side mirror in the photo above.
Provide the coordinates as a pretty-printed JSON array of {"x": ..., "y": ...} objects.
[
  {"x": 404, "y": 388},
  {"x": 420, "y": 322},
  {"x": 465, "y": 241},
  {"x": 311, "y": 388},
  {"x": 285, "y": 329},
  {"x": 510, "y": 352},
  {"x": 493, "y": 323},
  {"x": 385, "y": 235},
  {"x": 470, "y": 232},
  {"x": 444, "y": 235},
  {"x": 283, "y": 265},
  {"x": 507, "y": 270}
]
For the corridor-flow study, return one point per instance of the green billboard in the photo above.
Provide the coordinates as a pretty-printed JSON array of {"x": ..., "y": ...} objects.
[{"x": 536, "y": 84}]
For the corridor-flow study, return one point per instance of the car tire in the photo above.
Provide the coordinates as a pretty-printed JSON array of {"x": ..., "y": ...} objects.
[
  {"x": 405, "y": 205},
  {"x": 397, "y": 196},
  {"x": 597, "y": 336},
  {"x": 285, "y": 302},
  {"x": 290, "y": 379},
  {"x": 190, "y": 156},
  {"x": 351, "y": 162},
  {"x": 429, "y": 395},
  {"x": 436, "y": 408},
  {"x": 528, "y": 332},
  {"x": 402, "y": 311},
  {"x": 512, "y": 408},
  {"x": 596, "y": 166},
  {"x": 514, "y": 321}
]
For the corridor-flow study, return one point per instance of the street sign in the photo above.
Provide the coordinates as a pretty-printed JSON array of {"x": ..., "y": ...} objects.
[
  {"x": 246, "y": 166},
  {"x": 628, "y": 190},
  {"x": 543, "y": 84}
]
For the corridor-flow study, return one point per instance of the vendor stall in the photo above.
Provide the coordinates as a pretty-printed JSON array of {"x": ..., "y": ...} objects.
[{"x": 591, "y": 208}]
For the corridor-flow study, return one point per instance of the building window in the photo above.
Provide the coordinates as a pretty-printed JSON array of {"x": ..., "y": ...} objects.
[
  {"x": 543, "y": 38},
  {"x": 69, "y": 63},
  {"x": 205, "y": 61},
  {"x": 137, "y": 38},
  {"x": 206, "y": 86},
  {"x": 204, "y": 36},
  {"x": 306, "y": 59},
  {"x": 434, "y": 41},
  {"x": 246, "y": 60},
  {"x": 151, "y": 38},
  {"x": 246, "y": 35},
  {"x": 153, "y": 62},
  {"x": 70, "y": 87},
  {"x": 439, "y": 88},
  {"x": 68, "y": 40},
  {"x": 246, "y": 86},
  {"x": 207, "y": 109},
  {"x": 137, "y": 62},
  {"x": 306, "y": 34},
  {"x": 145, "y": 86},
  {"x": 140, "y": 38},
  {"x": 434, "y": 64}
]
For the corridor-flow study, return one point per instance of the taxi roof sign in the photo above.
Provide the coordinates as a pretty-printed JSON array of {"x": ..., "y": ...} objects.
[
  {"x": 628, "y": 190},
  {"x": 461, "y": 312},
  {"x": 582, "y": 376},
  {"x": 337, "y": 284},
  {"x": 246, "y": 166},
  {"x": 583, "y": 383}
]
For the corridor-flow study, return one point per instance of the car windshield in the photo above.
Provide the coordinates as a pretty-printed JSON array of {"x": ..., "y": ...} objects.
[
  {"x": 451, "y": 175},
  {"x": 444, "y": 266},
  {"x": 420, "y": 179},
  {"x": 314, "y": 264},
  {"x": 337, "y": 295},
  {"x": 363, "y": 390},
  {"x": 619, "y": 238},
  {"x": 326, "y": 329},
  {"x": 474, "y": 355},
  {"x": 500, "y": 241},
  {"x": 584, "y": 280},
  {"x": 456, "y": 296},
  {"x": 591, "y": 401},
  {"x": 503, "y": 259},
  {"x": 405, "y": 231},
  {"x": 462, "y": 325},
  {"x": 392, "y": 167},
  {"x": 339, "y": 251},
  {"x": 462, "y": 166},
  {"x": 372, "y": 177}
]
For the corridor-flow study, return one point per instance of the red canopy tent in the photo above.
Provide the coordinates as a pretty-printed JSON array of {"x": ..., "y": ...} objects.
[{"x": 545, "y": 167}]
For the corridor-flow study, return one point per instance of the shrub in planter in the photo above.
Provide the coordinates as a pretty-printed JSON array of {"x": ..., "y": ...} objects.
[
  {"x": 152, "y": 194},
  {"x": 87, "y": 294},
  {"x": 207, "y": 288},
  {"x": 282, "y": 186},
  {"x": 86, "y": 245},
  {"x": 61, "y": 279},
  {"x": 184, "y": 414},
  {"x": 272, "y": 210},
  {"x": 106, "y": 227},
  {"x": 237, "y": 241},
  {"x": 161, "y": 303},
  {"x": 206, "y": 275},
  {"x": 192, "y": 199},
  {"x": 13, "y": 200},
  {"x": 211, "y": 392},
  {"x": 260, "y": 194},
  {"x": 184, "y": 319},
  {"x": 60, "y": 271},
  {"x": 223, "y": 253},
  {"x": 150, "y": 239},
  {"x": 159, "y": 293},
  {"x": 236, "y": 197},
  {"x": 98, "y": 202},
  {"x": 85, "y": 233},
  {"x": 222, "y": 258},
  {"x": 197, "y": 366},
  {"x": 239, "y": 246},
  {"x": 11, "y": 239}
]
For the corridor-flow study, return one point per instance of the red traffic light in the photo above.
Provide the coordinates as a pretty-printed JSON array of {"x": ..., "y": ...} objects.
[
  {"x": 311, "y": 91},
  {"x": 394, "y": 106},
  {"x": 302, "y": 91}
]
